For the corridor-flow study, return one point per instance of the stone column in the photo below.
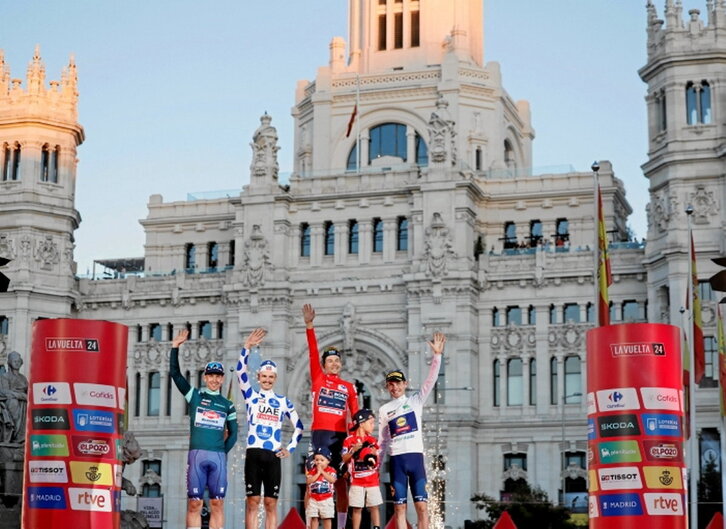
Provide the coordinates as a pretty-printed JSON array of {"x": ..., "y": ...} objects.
[
  {"x": 316, "y": 244},
  {"x": 410, "y": 131},
  {"x": 143, "y": 393},
  {"x": 341, "y": 243},
  {"x": 390, "y": 239},
  {"x": 364, "y": 241}
]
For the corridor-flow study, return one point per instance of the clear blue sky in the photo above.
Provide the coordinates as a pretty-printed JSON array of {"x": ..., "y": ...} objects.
[{"x": 172, "y": 90}]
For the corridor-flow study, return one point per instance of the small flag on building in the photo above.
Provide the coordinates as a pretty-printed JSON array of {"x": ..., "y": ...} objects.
[
  {"x": 351, "y": 121},
  {"x": 605, "y": 277},
  {"x": 699, "y": 353}
]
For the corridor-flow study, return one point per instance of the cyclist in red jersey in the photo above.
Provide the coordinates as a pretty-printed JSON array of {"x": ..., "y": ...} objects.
[{"x": 334, "y": 401}]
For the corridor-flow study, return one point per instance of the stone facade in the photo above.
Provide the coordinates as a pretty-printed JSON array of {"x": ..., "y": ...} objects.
[{"x": 437, "y": 224}]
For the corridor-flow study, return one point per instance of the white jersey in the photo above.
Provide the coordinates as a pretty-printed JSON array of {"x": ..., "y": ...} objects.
[
  {"x": 400, "y": 430},
  {"x": 266, "y": 411}
]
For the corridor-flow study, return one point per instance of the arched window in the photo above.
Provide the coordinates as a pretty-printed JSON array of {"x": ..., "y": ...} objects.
[
  {"x": 44, "y": 163},
  {"x": 11, "y": 162},
  {"x": 352, "y": 163},
  {"x": 389, "y": 139},
  {"x": 415, "y": 31},
  {"x": 590, "y": 311},
  {"x": 553, "y": 314},
  {"x": 631, "y": 310},
  {"x": 705, "y": 102},
  {"x": 212, "y": 255},
  {"x": 477, "y": 159},
  {"x": 422, "y": 152},
  {"x": 49, "y": 164},
  {"x": 495, "y": 317},
  {"x": 509, "y": 160},
  {"x": 514, "y": 382},
  {"x": 573, "y": 379},
  {"x": 137, "y": 395},
  {"x": 305, "y": 239},
  {"x": 532, "y": 382},
  {"x": 514, "y": 315},
  {"x": 535, "y": 232},
  {"x": 377, "y": 235},
  {"x": 151, "y": 490},
  {"x": 353, "y": 236},
  {"x": 662, "y": 118},
  {"x": 691, "y": 104},
  {"x": 532, "y": 315},
  {"x": 496, "y": 382},
  {"x": 402, "y": 234},
  {"x": 190, "y": 260},
  {"x": 329, "y": 238},
  {"x": 571, "y": 313},
  {"x": 510, "y": 235},
  {"x": 698, "y": 103},
  {"x": 154, "y": 391}
]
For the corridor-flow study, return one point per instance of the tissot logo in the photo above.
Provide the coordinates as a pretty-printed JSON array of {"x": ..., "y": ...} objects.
[
  {"x": 51, "y": 393},
  {"x": 86, "y": 345},
  {"x": 618, "y": 425},
  {"x": 50, "y": 419},
  {"x": 47, "y": 472},
  {"x": 662, "y": 450},
  {"x": 666, "y": 504},
  {"x": 637, "y": 349},
  {"x": 620, "y": 478}
]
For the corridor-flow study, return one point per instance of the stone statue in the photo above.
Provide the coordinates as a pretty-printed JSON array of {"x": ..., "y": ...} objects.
[
  {"x": 130, "y": 452},
  {"x": 13, "y": 401},
  {"x": 255, "y": 258},
  {"x": 264, "y": 149}
]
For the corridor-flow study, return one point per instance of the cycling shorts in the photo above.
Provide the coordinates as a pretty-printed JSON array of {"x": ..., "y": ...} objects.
[
  {"x": 206, "y": 469},
  {"x": 408, "y": 470},
  {"x": 262, "y": 469}
]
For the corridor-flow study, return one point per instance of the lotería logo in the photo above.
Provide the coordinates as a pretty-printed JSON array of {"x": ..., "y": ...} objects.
[
  {"x": 51, "y": 393},
  {"x": 76, "y": 345},
  {"x": 618, "y": 425},
  {"x": 662, "y": 424},
  {"x": 46, "y": 497},
  {"x": 47, "y": 471},
  {"x": 95, "y": 394},
  {"x": 637, "y": 349},
  {"x": 94, "y": 420},
  {"x": 50, "y": 419}
]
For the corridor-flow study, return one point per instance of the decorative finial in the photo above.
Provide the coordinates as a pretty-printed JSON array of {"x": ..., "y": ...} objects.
[{"x": 595, "y": 166}]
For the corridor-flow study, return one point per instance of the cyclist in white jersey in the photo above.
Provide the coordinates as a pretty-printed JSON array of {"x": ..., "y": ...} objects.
[
  {"x": 400, "y": 436},
  {"x": 266, "y": 411}
]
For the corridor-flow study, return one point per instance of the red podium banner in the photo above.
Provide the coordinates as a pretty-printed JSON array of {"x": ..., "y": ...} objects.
[
  {"x": 74, "y": 424},
  {"x": 635, "y": 427}
]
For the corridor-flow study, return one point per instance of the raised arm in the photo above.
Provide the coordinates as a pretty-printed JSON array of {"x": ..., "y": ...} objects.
[
  {"x": 174, "y": 371},
  {"x": 316, "y": 370},
  {"x": 384, "y": 434},
  {"x": 253, "y": 339},
  {"x": 437, "y": 348},
  {"x": 297, "y": 434}
]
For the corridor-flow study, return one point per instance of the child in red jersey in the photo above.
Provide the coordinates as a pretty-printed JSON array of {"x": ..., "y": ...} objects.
[
  {"x": 360, "y": 453},
  {"x": 320, "y": 480}
]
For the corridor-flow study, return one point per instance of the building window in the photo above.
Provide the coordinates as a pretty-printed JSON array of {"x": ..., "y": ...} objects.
[
  {"x": 402, "y": 235},
  {"x": 514, "y": 382},
  {"x": 329, "y": 238},
  {"x": 377, "y": 235},
  {"x": 613, "y": 312},
  {"x": 704, "y": 101},
  {"x": 212, "y": 256},
  {"x": 305, "y": 239},
  {"x": 352, "y": 236},
  {"x": 152, "y": 402},
  {"x": 562, "y": 232},
  {"x": 11, "y": 163},
  {"x": 662, "y": 118},
  {"x": 477, "y": 159},
  {"x": 190, "y": 257},
  {"x": 532, "y": 315},
  {"x": 415, "y": 29},
  {"x": 698, "y": 103},
  {"x": 710, "y": 377},
  {"x": 705, "y": 292},
  {"x": 151, "y": 490},
  {"x": 495, "y": 317},
  {"x": 631, "y": 311},
  {"x": 510, "y": 235},
  {"x": 571, "y": 313},
  {"x": 381, "y": 32},
  {"x": 398, "y": 30},
  {"x": 497, "y": 382},
  {"x": 205, "y": 329},
  {"x": 155, "y": 331},
  {"x": 532, "y": 382},
  {"x": 137, "y": 395},
  {"x": 167, "y": 410},
  {"x": 49, "y": 164},
  {"x": 4, "y": 325},
  {"x": 388, "y": 139},
  {"x": 515, "y": 459},
  {"x": 535, "y": 232},
  {"x": 509, "y": 160},
  {"x": 553, "y": 314},
  {"x": 220, "y": 330},
  {"x": 553, "y": 380},
  {"x": 573, "y": 379},
  {"x": 590, "y": 312},
  {"x": 514, "y": 316}
]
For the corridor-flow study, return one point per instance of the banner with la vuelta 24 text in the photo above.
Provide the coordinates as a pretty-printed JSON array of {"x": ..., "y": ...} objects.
[
  {"x": 635, "y": 419},
  {"x": 74, "y": 424}
]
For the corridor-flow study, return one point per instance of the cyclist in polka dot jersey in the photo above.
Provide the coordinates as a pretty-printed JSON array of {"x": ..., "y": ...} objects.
[{"x": 266, "y": 411}]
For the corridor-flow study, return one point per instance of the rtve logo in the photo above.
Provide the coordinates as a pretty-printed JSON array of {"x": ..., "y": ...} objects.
[
  {"x": 667, "y": 504},
  {"x": 82, "y": 499}
]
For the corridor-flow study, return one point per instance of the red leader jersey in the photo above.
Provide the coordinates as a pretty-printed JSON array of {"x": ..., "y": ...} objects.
[
  {"x": 360, "y": 473},
  {"x": 333, "y": 397}
]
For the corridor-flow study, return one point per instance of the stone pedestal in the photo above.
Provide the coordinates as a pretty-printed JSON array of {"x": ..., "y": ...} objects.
[{"x": 11, "y": 486}]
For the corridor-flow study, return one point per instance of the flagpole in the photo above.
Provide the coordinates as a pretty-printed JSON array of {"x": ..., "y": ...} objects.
[
  {"x": 721, "y": 389},
  {"x": 693, "y": 442},
  {"x": 357, "y": 122},
  {"x": 596, "y": 253}
]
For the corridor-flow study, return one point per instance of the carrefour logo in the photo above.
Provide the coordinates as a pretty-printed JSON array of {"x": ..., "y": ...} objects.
[
  {"x": 51, "y": 393},
  {"x": 95, "y": 394},
  {"x": 618, "y": 399}
]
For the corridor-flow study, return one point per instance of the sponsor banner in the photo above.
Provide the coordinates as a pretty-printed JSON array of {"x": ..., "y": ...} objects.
[
  {"x": 662, "y": 424},
  {"x": 58, "y": 344},
  {"x": 592, "y": 479},
  {"x": 637, "y": 349},
  {"x": 620, "y": 478},
  {"x": 590, "y": 456},
  {"x": 94, "y": 421},
  {"x": 118, "y": 475},
  {"x": 50, "y": 419},
  {"x": 47, "y": 471},
  {"x": 661, "y": 399},
  {"x": 90, "y": 499},
  {"x": 663, "y": 477},
  {"x": 619, "y": 452},
  {"x": 618, "y": 399},
  {"x": 121, "y": 398},
  {"x": 591, "y": 407},
  {"x": 626, "y": 504},
  {"x": 663, "y": 504},
  {"x": 51, "y": 393},
  {"x": 95, "y": 394},
  {"x": 91, "y": 473},
  {"x": 46, "y": 497},
  {"x": 592, "y": 507},
  {"x": 618, "y": 425},
  {"x": 209, "y": 419},
  {"x": 92, "y": 446},
  {"x": 663, "y": 450},
  {"x": 48, "y": 445},
  {"x": 591, "y": 429}
]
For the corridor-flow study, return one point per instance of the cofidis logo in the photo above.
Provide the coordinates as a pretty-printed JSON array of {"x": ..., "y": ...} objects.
[
  {"x": 620, "y": 478},
  {"x": 618, "y": 425},
  {"x": 661, "y": 399},
  {"x": 74, "y": 345},
  {"x": 46, "y": 498},
  {"x": 47, "y": 472},
  {"x": 50, "y": 419},
  {"x": 627, "y": 504},
  {"x": 618, "y": 399},
  {"x": 48, "y": 445},
  {"x": 662, "y": 424},
  {"x": 619, "y": 452},
  {"x": 94, "y": 421},
  {"x": 637, "y": 349},
  {"x": 95, "y": 394},
  {"x": 51, "y": 393}
]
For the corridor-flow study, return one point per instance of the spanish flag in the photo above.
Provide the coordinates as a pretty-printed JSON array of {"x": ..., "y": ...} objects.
[
  {"x": 721, "y": 359},
  {"x": 605, "y": 277},
  {"x": 686, "y": 361},
  {"x": 699, "y": 353},
  {"x": 352, "y": 120}
]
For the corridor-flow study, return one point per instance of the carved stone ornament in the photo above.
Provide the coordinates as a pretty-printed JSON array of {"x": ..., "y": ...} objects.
[
  {"x": 514, "y": 473},
  {"x": 255, "y": 258},
  {"x": 46, "y": 253},
  {"x": 7, "y": 247},
  {"x": 660, "y": 211},
  {"x": 264, "y": 149},
  {"x": 348, "y": 324},
  {"x": 442, "y": 134},
  {"x": 704, "y": 205},
  {"x": 438, "y": 248}
]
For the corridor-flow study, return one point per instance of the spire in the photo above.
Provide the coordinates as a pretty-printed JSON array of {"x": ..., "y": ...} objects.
[
  {"x": 36, "y": 74},
  {"x": 69, "y": 82},
  {"x": 709, "y": 12},
  {"x": 4, "y": 76}
]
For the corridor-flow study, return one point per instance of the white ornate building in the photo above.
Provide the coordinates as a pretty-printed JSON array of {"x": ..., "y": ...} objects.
[{"x": 424, "y": 215}]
